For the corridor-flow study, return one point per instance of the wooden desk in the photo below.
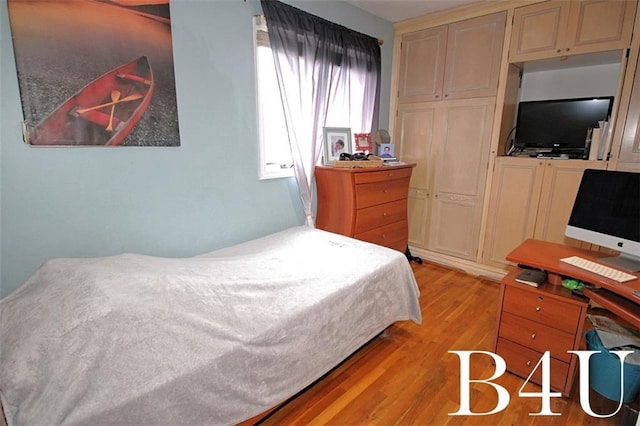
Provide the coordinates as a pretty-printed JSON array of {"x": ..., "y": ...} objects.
[
  {"x": 533, "y": 320},
  {"x": 617, "y": 297}
]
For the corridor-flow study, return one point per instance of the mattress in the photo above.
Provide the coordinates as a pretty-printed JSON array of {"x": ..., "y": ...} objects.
[{"x": 212, "y": 339}]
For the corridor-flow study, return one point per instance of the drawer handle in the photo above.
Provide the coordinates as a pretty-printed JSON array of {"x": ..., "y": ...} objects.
[
  {"x": 540, "y": 298},
  {"x": 533, "y": 336},
  {"x": 383, "y": 236},
  {"x": 538, "y": 308},
  {"x": 528, "y": 363},
  {"x": 384, "y": 214}
]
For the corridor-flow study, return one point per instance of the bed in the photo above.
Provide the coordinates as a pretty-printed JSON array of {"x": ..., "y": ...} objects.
[{"x": 211, "y": 339}]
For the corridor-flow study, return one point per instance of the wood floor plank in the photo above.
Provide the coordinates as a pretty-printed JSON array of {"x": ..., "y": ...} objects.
[{"x": 409, "y": 377}]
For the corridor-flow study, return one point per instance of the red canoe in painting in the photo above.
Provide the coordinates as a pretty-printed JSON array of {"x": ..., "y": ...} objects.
[{"x": 103, "y": 112}]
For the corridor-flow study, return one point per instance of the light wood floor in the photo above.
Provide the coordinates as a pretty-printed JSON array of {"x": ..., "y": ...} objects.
[{"x": 408, "y": 377}]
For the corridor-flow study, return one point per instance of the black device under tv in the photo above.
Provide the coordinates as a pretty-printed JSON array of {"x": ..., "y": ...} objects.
[{"x": 559, "y": 126}]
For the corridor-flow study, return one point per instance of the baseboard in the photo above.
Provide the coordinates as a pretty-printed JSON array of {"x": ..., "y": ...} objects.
[{"x": 466, "y": 266}]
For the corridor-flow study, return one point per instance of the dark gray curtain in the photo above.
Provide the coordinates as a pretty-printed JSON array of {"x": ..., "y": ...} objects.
[{"x": 316, "y": 60}]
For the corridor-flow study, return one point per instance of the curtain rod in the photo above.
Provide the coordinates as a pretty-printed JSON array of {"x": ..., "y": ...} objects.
[{"x": 380, "y": 41}]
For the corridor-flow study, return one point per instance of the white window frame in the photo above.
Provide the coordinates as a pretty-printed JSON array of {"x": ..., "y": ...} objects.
[{"x": 284, "y": 168}]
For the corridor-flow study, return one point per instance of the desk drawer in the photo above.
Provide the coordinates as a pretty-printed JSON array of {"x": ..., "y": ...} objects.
[
  {"x": 541, "y": 308},
  {"x": 382, "y": 175},
  {"x": 537, "y": 336},
  {"x": 521, "y": 361},
  {"x": 393, "y": 235},
  {"x": 371, "y": 194},
  {"x": 380, "y": 215}
]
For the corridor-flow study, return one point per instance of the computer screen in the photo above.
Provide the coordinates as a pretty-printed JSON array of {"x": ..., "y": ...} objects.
[
  {"x": 559, "y": 124},
  {"x": 606, "y": 212}
]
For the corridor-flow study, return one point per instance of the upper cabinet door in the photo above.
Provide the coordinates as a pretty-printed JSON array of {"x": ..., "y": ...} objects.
[
  {"x": 560, "y": 28},
  {"x": 539, "y": 31},
  {"x": 600, "y": 25},
  {"x": 460, "y": 60},
  {"x": 422, "y": 65},
  {"x": 474, "y": 53},
  {"x": 630, "y": 150}
]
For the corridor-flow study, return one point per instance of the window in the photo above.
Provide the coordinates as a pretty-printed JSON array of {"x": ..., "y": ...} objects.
[
  {"x": 275, "y": 154},
  {"x": 345, "y": 107}
]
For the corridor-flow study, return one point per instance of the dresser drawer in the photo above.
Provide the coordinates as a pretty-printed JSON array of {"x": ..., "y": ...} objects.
[
  {"x": 542, "y": 308},
  {"x": 537, "y": 336},
  {"x": 382, "y": 175},
  {"x": 380, "y": 215},
  {"x": 371, "y": 194},
  {"x": 521, "y": 361},
  {"x": 393, "y": 235}
]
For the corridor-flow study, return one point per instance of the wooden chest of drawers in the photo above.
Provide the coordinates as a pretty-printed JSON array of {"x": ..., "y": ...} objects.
[
  {"x": 534, "y": 320},
  {"x": 369, "y": 204}
]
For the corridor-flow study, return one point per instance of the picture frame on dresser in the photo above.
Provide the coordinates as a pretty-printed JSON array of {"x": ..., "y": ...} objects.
[
  {"x": 337, "y": 140},
  {"x": 363, "y": 142},
  {"x": 386, "y": 150}
]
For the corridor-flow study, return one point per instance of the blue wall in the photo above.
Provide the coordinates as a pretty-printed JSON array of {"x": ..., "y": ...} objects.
[{"x": 79, "y": 202}]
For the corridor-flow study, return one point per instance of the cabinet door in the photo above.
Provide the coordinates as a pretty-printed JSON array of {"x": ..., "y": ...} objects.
[
  {"x": 629, "y": 158},
  {"x": 414, "y": 135},
  {"x": 474, "y": 51},
  {"x": 538, "y": 31},
  {"x": 422, "y": 59},
  {"x": 513, "y": 206},
  {"x": 559, "y": 188},
  {"x": 560, "y": 28},
  {"x": 460, "y": 166},
  {"x": 599, "y": 25}
]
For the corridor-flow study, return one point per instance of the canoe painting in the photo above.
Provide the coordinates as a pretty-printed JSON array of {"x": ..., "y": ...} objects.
[{"x": 101, "y": 113}]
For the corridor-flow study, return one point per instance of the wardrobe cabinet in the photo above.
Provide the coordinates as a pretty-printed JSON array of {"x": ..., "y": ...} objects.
[
  {"x": 449, "y": 142},
  {"x": 459, "y": 60},
  {"x": 531, "y": 198},
  {"x": 561, "y": 28},
  {"x": 455, "y": 95}
]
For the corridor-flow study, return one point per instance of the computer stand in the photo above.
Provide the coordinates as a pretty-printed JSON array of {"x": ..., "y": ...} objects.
[{"x": 411, "y": 258}]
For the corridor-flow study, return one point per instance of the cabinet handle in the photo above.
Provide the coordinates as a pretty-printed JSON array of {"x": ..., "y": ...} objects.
[
  {"x": 446, "y": 96},
  {"x": 538, "y": 308},
  {"x": 384, "y": 214},
  {"x": 528, "y": 363},
  {"x": 568, "y": 49},
  {"x": 383, "y": 236},
  {"x": 540, "y": 298},
  {"x": 533, "y": 336},
  {"x": 559, "y": 50}
]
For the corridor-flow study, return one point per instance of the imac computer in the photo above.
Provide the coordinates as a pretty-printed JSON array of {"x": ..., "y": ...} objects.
[{"x": 607, "y": 213}]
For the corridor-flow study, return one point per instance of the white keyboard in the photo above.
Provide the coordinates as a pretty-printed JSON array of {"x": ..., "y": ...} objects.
[{"x": 597, "y": 268}]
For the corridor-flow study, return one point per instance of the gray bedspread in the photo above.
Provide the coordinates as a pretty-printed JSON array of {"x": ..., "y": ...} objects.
[{"x": 212, "y": 339}]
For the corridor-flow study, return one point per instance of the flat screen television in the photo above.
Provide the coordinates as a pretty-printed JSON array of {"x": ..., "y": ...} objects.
[
  {"x": 606, "y": 212},
  {"x": 559, "y": 125}
]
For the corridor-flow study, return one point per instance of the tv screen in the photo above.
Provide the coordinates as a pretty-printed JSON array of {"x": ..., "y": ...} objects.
[
  {"x": 559, "y": 124},
  {"x": 606, "y": 212}
]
